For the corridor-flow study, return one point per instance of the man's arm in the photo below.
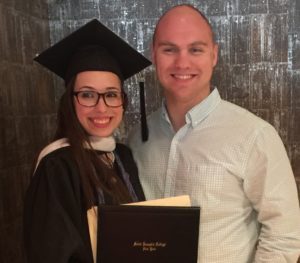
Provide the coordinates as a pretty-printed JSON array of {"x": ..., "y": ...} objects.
[{"x": 271, "y": 187}]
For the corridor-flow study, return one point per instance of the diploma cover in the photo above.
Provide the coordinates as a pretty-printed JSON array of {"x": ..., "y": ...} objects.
[{"x": 147, "y": 234}]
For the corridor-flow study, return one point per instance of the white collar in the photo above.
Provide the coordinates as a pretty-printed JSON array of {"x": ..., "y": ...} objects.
[{"x": 106, "y": 144}]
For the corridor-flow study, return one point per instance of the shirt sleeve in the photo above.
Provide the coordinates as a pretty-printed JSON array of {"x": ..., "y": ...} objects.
[
  {"x": 270, "y": 186},
  {"x": 54, "y": 224}
]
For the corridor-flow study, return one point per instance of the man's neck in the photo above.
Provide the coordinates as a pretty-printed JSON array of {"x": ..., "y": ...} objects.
[
  {"x": 177, "y": 109},
  {"x": 177, "y": 112},
  {"x": 177, "y": 119}
]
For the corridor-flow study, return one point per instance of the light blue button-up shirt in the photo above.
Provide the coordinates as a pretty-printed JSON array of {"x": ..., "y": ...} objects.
[{"x": 234, "y": 166}]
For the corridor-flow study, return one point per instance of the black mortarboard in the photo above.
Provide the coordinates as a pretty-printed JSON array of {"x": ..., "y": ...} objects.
[
  {"x": 92, "y": 47},
  {"x": 95, "y": 47}
]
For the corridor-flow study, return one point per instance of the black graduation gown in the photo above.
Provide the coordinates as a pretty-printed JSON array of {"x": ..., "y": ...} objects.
[{"x": 55, "y": 219}]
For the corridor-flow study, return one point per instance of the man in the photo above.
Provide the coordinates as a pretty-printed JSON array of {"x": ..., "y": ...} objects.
[{"x": 231, "y": 163}]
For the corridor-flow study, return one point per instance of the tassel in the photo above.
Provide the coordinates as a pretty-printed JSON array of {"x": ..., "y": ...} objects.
[{"x": 144, "y": 126}]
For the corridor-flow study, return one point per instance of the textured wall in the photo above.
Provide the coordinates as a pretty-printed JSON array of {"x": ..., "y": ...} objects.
[
  {"x": 259, "y": 68},
  {"x": 259, "y": 63},
  {"x": 26, "y": 112}
]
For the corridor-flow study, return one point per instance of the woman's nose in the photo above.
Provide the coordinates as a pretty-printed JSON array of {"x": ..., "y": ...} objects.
[{"x": 101, "y": 105}]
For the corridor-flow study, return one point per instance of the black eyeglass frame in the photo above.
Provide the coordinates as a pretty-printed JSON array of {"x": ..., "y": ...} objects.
[{"x": 122, "y": 93}]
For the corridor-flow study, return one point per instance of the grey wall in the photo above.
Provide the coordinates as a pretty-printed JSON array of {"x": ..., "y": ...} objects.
[
  {"x": 259, "y": 62},
  {"x": 26, "y": 112},
  {"x": 259, "y": 68}
]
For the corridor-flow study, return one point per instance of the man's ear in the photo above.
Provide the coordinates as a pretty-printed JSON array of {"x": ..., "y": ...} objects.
[{"x": 215, "y": 54}]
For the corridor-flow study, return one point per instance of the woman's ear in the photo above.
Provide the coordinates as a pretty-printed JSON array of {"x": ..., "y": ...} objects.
[{"x": 125, "y": 101}]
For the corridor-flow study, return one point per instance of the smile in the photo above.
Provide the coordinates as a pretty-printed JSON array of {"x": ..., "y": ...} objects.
[
  {"x": 183, "y": 76},
  {"x": 101, "y": 121}
]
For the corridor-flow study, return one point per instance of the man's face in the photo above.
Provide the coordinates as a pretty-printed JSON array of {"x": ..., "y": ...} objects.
[{"x": 184, "y": 55}]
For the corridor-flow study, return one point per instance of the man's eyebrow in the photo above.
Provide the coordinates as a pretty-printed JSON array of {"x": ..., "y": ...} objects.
[
  {"x": 171, "y": 44},
  {"x": 166, "y": 43},
  {"x": 199, "y": 43}
]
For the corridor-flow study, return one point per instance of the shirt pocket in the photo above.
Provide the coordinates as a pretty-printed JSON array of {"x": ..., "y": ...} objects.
[{"x": 204, "y": 183}]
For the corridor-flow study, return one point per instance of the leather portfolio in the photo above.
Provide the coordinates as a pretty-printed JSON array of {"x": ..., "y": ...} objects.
[{"x": 147, "y": 234}]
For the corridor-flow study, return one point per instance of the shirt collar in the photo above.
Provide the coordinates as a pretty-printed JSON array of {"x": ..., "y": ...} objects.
[
  {"x": 164, "y": 112},
  {"x": 200, "y": 111}
]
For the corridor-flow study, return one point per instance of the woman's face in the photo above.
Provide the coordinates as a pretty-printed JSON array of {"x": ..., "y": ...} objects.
[{"x": 98, "y": 120}]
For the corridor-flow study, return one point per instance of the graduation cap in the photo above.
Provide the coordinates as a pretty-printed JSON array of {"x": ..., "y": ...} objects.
[
  {"x": 92, "y": 47},
  {"x": 95, "y": 47}
]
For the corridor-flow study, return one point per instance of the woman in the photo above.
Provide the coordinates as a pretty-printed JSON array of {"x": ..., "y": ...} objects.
[{"x": 83, "y": 167}]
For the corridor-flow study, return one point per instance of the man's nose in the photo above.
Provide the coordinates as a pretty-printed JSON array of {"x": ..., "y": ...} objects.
[{"x": 182, "y": 60}]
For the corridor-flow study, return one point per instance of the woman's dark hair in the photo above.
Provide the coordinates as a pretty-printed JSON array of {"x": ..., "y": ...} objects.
[{"x": 94, "y": 172}]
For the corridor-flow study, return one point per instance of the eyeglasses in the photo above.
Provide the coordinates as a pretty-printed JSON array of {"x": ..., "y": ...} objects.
[{"x": 88, "y": 98}]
